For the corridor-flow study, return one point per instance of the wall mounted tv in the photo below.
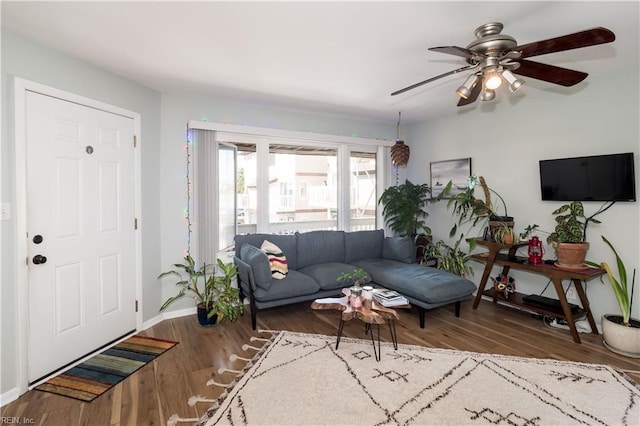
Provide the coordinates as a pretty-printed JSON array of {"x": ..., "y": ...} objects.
[{"x": 594, "y": 178}]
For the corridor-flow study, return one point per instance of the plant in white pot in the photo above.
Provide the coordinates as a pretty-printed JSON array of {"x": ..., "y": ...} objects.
[{"x": 621, "y": 333}]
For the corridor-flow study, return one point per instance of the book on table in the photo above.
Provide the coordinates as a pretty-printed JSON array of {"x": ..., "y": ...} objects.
[{"x": 389, "y": 298}]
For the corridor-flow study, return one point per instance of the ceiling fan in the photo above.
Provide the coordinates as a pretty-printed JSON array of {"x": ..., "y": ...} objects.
[{"x": 496, "y": 57}]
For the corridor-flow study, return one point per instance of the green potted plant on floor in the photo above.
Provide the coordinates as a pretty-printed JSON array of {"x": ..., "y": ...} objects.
[
  {"x": 227, "y": 305},
  {"x": 211, "y": 296},
  {"x": 449, "y": 258},
  {"x": 403, "y": 209},
  {"x": 621, "y": 333}
]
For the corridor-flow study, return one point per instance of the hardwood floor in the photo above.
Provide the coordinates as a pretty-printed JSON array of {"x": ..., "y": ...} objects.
[{"x": 155, "y": 392}]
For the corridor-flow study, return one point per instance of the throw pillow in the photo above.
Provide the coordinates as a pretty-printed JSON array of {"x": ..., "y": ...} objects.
[
  {"x": 277, "y": 260},
  {"x": 399, "y": 248}
]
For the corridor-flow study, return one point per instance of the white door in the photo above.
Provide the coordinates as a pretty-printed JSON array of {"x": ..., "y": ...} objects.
[{"x": 80, "y": 230}]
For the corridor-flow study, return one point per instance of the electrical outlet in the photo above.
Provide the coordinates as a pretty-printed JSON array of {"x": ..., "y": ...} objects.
[
  {"x": 572, "y": 296},
  {"x": 5, "y": 213}
]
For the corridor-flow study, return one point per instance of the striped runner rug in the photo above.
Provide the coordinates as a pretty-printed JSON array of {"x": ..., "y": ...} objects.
[{"x": 93, "y": 377}]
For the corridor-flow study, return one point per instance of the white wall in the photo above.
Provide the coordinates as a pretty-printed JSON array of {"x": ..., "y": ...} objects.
[
  {"x": 178, "y": 109},
  {"x": 26, "y": 59},
  {"x": 507, "y": 137}
]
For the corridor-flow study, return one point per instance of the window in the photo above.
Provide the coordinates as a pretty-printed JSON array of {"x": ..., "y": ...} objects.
[
  {"x": 314, "y": 204},
  {"x": 247, "y": 199},
  {"x": 281, "y": 182},
  {"x": 363, "y": 199}
]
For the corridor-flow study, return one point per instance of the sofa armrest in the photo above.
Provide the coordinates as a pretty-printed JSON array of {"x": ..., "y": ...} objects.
[
  {"x": 245, "y": 275},
  {"x": 258, "y": 263}
]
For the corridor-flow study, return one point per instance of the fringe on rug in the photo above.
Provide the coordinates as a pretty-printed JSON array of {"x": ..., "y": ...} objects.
[{"x": 238, "y": 374}]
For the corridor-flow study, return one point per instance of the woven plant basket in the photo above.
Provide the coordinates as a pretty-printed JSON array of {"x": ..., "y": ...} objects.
[{"x": 400, "y": 154}]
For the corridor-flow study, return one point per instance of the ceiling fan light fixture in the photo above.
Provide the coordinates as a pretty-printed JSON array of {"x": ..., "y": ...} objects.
[
  {"x": 514, "y": 82},
  {"x": 487, "y": 95},
  {"x": 464, "y": 91},
  {"x": 492, "y": 80}
]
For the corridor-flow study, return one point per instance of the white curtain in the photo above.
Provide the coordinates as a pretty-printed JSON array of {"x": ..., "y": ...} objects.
[{"x": 204, "y": 192}]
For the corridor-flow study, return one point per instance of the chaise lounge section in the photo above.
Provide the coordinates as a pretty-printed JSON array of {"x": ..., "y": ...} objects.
[{"x": 316, "y": 259}]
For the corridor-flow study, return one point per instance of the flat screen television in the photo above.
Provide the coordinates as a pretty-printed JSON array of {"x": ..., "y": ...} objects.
[{"x": 595, "y": 178}]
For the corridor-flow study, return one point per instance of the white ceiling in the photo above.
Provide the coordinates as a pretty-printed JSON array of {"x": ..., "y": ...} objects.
[{"x": 333, "y": 57}]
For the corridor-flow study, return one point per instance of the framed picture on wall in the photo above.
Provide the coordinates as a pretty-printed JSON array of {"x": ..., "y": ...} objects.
[{"x": 456, "y": 171}]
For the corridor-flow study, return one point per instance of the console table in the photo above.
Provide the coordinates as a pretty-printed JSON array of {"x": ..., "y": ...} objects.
[{"x": 496, "y": 256}]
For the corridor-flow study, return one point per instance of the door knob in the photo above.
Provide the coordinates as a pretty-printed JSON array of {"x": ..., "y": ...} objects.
[{"x": 38, "y": 259}]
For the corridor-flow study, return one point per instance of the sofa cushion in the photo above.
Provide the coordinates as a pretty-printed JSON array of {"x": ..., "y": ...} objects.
[
  {"x": 401, "y": 249},
  {"x": 432, "y": 285},
  {"x": 326, "y": 274},
  {"x": 259, "y": 263},
  {"x": 277, "y": 260},
  {"x": 293, "y": 285},
  {"x": 363, "y": 245},
  {"x": 287, "y": 244},
  {"x": 320, "y": 247}
]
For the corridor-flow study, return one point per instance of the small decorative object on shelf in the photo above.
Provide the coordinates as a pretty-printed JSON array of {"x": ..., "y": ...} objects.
[
  {"x": 504, "y": 284},
  {"x": 535, "y": 250}
]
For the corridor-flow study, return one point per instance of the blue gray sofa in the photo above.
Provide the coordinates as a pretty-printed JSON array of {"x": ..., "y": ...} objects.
[{"x": 315, "y": 260}]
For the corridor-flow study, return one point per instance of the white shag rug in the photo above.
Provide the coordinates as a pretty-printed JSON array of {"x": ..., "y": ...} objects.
[{"x": 301, "y": 379}]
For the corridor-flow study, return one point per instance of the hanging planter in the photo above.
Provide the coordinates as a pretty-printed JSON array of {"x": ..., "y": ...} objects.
[
  {"x": 400, "y": 151},
  {"x": 400, "y": 154}
]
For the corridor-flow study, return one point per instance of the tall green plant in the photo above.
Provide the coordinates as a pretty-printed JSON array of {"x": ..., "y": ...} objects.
[
  {"x": 450, "y": 258},
  {"x": 620, "y": 287},
  {"x": 403, "y": 208},
  {"x": 227, "y": 304},
  {"x": 214, "y": 292},
  {"x": 470, "y": 209},
  {"x": 187, "y": 281}
]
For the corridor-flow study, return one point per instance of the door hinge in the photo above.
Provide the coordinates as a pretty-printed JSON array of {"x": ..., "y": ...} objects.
[
  {"x": 135, "y": 141},
  {"x": 136, "y": 306},
  {"x": 135, "y": 223}
]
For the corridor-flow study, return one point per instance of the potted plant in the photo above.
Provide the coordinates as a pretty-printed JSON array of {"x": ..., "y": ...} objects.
[
  {"x": 403, "y": 209},
  {"x": 355, "y": 278},
  {"x": 471, "y": 209},
  {"x": 449, "y": 258},
  {"x": 529, "y": 230},
  {"x": 227, "y": 305},
  {"x": 621, "y": 333},
  {"x": 569, "y": 237},
  {"x": 504, "y": 234},
  {"x": 210, "y": 296}
]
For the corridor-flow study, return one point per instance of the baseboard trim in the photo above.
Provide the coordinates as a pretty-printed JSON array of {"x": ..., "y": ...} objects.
[
  {"x": 9, "y": 396},
  {"x": 180, "y": 313}
]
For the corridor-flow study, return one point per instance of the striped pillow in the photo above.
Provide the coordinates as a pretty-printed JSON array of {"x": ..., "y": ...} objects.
[{"x": 277, "y": 260}]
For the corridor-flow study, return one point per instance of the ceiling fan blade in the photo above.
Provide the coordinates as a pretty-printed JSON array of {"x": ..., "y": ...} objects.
[
  {"x": 455, "y": 50},
  {"x": 577, "y": 40},
  {"x": 475, "y": 92},
  {"x": 429, "y": 80},
  {"x": 550, "y": 73}
]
